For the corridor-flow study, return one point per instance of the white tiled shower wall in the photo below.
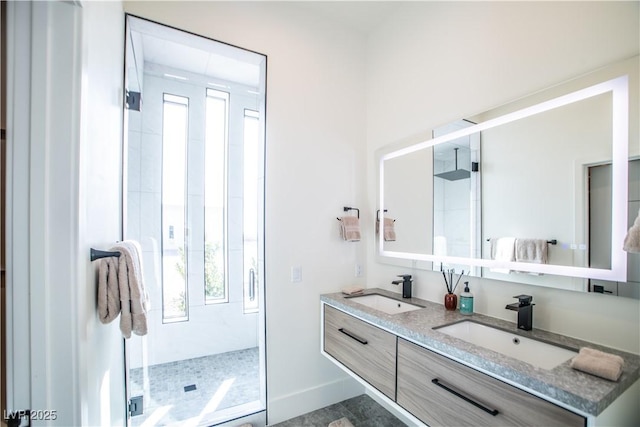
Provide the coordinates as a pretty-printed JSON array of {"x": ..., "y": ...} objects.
[{"x": 211, "y": 328}]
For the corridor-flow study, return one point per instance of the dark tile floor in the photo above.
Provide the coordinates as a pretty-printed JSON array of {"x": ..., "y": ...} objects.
[{"x": 362, "y": 411}]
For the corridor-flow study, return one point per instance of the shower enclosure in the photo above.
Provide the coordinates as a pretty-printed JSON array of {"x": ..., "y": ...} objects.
[
  {"x": 194, "y": 162},
  {"x": 456, "y": 197}
]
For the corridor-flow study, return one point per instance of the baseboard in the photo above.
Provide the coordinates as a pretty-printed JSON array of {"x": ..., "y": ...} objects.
[{"x": 304, "y": 401}]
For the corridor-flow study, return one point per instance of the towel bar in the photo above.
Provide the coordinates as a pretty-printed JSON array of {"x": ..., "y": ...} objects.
[
  {"x": 347, "y": 209},
  {"x": 378, "y": 215},
  {"x": 551, "y": 242},
  {"x": 97, "y": 254}
]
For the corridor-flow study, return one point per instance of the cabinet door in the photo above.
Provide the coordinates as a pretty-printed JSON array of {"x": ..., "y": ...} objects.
[
  {"x": 367, "y": 350},
  {"x": 441, "y": 392}
]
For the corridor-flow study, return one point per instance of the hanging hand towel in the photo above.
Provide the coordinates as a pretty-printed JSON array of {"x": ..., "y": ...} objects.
[
  {"x": 133, "y": 297},
  {"x": 531, "y": 250},
  {"x": 108, "y": 291},
  {"x": 350, "y": 228},
  {"x": 389, "y": 231},
  {"x": 632, "y": 240},
  {"x": 503, "y": 249}
]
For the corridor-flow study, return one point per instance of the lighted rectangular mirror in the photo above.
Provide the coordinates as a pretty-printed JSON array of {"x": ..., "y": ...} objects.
[{"x": 521, "y": 173}]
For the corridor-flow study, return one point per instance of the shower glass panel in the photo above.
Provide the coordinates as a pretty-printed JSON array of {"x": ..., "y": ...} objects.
[{"x": 194, "y": 200}]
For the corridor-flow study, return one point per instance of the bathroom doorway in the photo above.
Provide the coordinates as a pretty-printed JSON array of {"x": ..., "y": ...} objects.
[{"x": 194, "y": 200}]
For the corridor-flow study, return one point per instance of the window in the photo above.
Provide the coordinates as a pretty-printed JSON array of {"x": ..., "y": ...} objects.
[
  {"x": 216, "y": 141},
  {"x": 174, "y": 209}
]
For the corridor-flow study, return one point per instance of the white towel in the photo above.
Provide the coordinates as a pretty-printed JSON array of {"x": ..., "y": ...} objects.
[
  {"x": 503, "y": 249},
  {"x": 531, "y": 250},
  {"x": 133, "y": 297},
  {"x": 632, "y": 240}
]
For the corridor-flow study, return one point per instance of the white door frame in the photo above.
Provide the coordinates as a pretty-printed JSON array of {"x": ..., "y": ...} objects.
[{"x": 43, "y": 134}]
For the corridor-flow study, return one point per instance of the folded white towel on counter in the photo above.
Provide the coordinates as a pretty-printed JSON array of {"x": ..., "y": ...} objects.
[
  {"x": 595, "y": 362},
  {"x": 503, "y": 249},
  {"x": 598, "y": 353},
  {"x": 353, "y": 290},
  {"x": 350, "y": 228}
]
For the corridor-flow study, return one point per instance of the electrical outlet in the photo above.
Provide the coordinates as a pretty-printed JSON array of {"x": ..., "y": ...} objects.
[
  {"x": 358, "y": 270},
  {"x": 296, "y": 274}
]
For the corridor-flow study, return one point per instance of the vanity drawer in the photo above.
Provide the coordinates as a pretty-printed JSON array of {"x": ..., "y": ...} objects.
[
  {"x": 440, "y": 391},
  {"x": 367, "y": 350}
]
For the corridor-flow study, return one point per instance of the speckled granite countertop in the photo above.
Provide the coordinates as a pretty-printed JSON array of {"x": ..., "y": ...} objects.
[{"x": 578, "y": 390}]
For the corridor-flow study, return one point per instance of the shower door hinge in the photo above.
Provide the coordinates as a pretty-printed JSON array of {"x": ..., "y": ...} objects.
[
  {"x": 136, "y": 406},
  {"x": 132, "y": 100}
]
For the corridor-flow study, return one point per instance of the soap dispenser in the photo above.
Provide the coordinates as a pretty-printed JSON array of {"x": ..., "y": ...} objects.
[{"x": 466, "y": 300}]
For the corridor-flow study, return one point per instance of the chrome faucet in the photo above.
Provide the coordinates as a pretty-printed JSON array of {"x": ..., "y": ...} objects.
[
  {"x": 406, "y": 284},
  {"x": 524, "y": 307}
]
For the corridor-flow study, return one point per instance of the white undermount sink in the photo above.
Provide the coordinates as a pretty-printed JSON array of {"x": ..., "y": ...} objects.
[
  {"x": 384, "y": 304},
  {"x": 537, "y": 353}
]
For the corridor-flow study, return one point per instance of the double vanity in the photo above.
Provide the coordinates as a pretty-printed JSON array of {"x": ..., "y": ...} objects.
[{"x": 440, "y": 367}]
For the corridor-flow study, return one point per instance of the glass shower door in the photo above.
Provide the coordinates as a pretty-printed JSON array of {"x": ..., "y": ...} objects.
[{"x": 194, "y": 201}]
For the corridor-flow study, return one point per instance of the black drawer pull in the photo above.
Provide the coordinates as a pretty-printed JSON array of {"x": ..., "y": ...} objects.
[
  {"x": 354, "y": 336},
  {"x": 493, "y": 412}
]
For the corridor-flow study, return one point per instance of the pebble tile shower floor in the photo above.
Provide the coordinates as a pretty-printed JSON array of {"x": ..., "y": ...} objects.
[{"x": 211, "y": 375}]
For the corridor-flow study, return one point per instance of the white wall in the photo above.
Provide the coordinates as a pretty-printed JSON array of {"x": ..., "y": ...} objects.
[
  {"x": 450, "y": 60},
  {"x": 100, "y": 358},
  {"x": 315, "y": 144},
  {"x": 445, "y": 60}
]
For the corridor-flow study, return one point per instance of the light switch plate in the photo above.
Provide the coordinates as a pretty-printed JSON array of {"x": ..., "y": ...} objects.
[{"x": 296, "y": 274}]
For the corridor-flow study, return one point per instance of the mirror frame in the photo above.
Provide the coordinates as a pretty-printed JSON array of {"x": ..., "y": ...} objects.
[{"x": 619, "y": 88}]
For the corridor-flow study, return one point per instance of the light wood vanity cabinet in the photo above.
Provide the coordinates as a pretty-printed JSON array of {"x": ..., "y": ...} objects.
[
  {"x": 440, "y": 391},
  {"x": 367, "y": 350}
]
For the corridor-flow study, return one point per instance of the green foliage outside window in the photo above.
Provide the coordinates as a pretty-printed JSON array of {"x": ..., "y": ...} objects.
[{"x": 213, "y": 277}]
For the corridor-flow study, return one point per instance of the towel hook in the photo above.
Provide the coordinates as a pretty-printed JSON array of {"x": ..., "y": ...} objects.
[
  {"x": 97, "y": 254},
  {"x": 378, "y": 214}
]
